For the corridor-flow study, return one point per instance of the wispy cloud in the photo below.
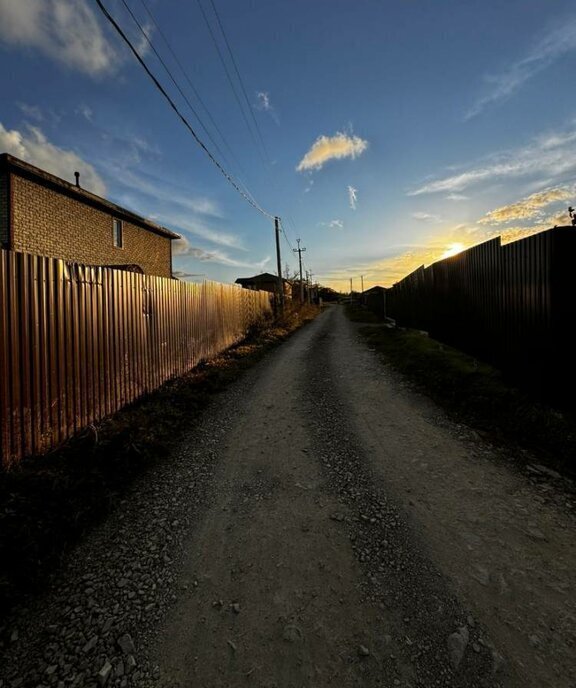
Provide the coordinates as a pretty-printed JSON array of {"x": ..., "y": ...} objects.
[
  {"x": 189, "y": 276},
  {"x": 84, "y": 111},
  {"x": 66, "y": 31},
  {"x": 456, "y": 197},
  {"x": 182, "y": 248},
  {"x": 32, "y": 146},
  {"x": 161, "y": 190},
  {"x": 335, "y": 147},
  {"x": 31, "y": 111},
  {"x": 426, "y": 217},
  {"x": 264, "y": 104},
  {"x": 183, "y": 221},
  {"x": 352, "y": 197},
  {"x": 529, "y": 207},
  {"x": 545, "y": 52},
  {"x": 552, "y": 156},
  {"x": 263, "y": 101},
  {"x": 332, "y": 224}
]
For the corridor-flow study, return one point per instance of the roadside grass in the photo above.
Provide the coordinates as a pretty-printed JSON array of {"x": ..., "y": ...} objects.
[
  {"x": 48, "y": 503},
  {"x": 478, "y": 394},
  {"x": 358, "y": 313}
]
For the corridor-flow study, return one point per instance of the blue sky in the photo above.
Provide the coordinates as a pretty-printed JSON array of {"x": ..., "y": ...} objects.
[{"x": 393, "y": 131}]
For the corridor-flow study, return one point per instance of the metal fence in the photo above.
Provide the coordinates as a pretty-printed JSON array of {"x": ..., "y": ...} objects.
[
  {"x": 77, "y": 343},
  {"x": 512, "y": 305}
]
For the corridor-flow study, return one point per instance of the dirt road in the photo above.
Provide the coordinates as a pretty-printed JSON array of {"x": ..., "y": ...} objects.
[{"x": 324, "y": 526}]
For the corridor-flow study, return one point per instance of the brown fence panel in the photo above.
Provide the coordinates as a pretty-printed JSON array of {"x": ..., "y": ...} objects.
[
  {"x": 77, "y": 343},
  {"x": 509, "y": 304}
]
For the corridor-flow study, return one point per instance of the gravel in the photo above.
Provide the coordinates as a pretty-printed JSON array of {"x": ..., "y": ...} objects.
[
  {"x": 397, "y": 574},
  {"x": 105, "y": 604}
]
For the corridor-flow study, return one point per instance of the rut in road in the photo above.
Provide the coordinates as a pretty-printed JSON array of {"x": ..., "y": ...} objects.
[{"x": 322, "y": 526}]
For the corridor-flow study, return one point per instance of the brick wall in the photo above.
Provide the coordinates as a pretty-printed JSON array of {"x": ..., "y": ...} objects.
[
  {"x": 3, "y": 209},
  {"x": 49, "y": 223}
]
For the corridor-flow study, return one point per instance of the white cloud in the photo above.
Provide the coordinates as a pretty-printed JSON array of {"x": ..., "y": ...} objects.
[
  {"x": 189, "y": 276},
  {"x": 332, "y": 148},
  {"x": 456, "y": 197},
  {"x": 352, "y": 197},
  {"x": 263, "y": 100},
  {"x": 199, "y": 229},
  {"x": 182, "y": 249},
  {"x": 32, "y": 146},
  {"x": 529, "y": 207},
  {"x": 161, "y": 190},
  {"x": 333, "y": 224},
  {"x": 264, "y": 103},
  {"x": 552, "y": 156},
  {"x": 553, "y": 46},
  {"x": 426, "y": 217},
  {"x": 64, "y": 30}
]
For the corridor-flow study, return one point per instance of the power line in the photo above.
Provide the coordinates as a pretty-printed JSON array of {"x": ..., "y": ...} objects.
[
  {"x": 240, "y": 80},
  {"x": 187, "y": 124},
  {"x": 194, "y": 90},
  {"x": 167, "y": 70},
  {"x": 228, "y": 76}
]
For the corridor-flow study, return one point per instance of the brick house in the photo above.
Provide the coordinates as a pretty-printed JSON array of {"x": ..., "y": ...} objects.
[{"x": 45, "y": 215}]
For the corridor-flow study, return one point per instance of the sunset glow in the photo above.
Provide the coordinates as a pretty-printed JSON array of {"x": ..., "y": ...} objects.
[
  {"x": 372, "y": 183},
  {"x": 453, "y": 249}
]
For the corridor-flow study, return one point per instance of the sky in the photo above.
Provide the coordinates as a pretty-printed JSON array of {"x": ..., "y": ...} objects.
[{"x": 385, "y": 134}]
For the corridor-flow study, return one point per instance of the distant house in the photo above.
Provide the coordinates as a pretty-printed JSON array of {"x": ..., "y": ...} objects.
[
  {"x": 265, "y": 282},
  {"x": 377, "y": 290},
  {"x": 43, "y": 214},
  {"x": 375, "y": 300}
]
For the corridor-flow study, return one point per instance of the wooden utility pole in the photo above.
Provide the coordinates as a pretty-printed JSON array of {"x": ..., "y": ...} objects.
[
  {"x": 299, "y": 252},
  {"x": 362, "y": 282},
  {"x": 310, "y": 288},
  {"x": 279, "y": 264},
  {"x": 350, "y": 287}
]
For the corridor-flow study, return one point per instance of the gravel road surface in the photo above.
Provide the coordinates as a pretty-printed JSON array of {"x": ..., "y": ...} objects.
[{"x": 323, "y": 525}]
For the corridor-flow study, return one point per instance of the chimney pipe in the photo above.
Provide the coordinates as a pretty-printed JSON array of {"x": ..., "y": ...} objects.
[{"x": 77, "y": 175}]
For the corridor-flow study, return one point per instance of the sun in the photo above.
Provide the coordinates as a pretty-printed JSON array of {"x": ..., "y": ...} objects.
[{"x": 452, "y": 250}]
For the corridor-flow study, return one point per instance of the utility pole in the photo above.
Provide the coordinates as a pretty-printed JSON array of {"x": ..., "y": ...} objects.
[
  {"x": 310, "y": 288},
  {"x": 362, "y": 282},
  {"x": 279, "y": 264},
  {"x": 350, "y": 287},
  {"x": 299, "y": 252}
]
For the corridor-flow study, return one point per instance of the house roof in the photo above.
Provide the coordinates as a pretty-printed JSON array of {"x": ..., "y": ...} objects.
[
  {"x": 374, "y": 290},
  {"x": 264, "y": 277},
  {"x": 8, "y": 163}
]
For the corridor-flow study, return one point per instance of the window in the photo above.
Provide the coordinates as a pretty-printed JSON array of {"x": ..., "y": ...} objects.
[{"x": 117, "y": 235}]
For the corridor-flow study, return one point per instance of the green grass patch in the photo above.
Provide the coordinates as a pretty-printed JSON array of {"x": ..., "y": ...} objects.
[
  {"x": 361, "y": 314},
  {"x": 48, "y": 503},
  {"x": 477, "y": 394}
]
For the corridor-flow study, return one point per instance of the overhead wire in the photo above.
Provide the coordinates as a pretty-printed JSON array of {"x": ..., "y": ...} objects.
[
  {"x": 171, "y": 77},
  {"x": 228, "y": 76},
  {"x": 183, "y": 119},
  {"x": 240, "y": 80},
  {"x": 194, "y": 89}
]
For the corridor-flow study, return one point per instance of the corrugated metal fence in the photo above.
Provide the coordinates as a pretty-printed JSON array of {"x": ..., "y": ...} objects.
[
  {"x": 512, "y": 304},
  {"x": 77, "y": 343}
]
